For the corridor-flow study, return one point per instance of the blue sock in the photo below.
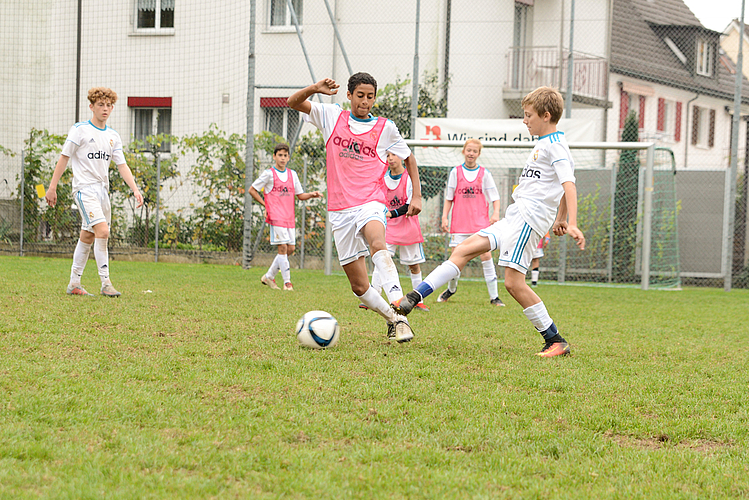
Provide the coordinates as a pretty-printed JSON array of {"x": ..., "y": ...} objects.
[
  {"x": 550, "y": 332},
  {"x": 424, "y": 289}
]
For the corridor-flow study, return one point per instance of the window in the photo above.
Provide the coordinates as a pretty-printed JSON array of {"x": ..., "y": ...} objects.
[
  {"x": 279, "y": 118},
  {"x": 703, "y": 127},
  {"x": 666, "y": 124},
  {"x": 704, "y": 57},
  {"x": 279, "y": 14},
  {"x": 155, "y": 15},
  {"x": 151, "y": 116}
]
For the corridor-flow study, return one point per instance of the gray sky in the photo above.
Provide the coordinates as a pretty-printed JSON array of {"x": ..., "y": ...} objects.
[{"x": 717, "y": 14}]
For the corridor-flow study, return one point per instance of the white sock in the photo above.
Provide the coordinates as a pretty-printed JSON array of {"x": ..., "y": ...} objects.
[
  {"x": 415, "y": 280},
  {"x": 490, "y": 276},
  {"x": 274, "y": 267},
  {"x": 376, "y": 303},
  {"x": 539, "y": 316},
  {"x": 102, "y": 258},
  {"x": 80, "y": 257},
  {"x": 388, "y": 275},
  {"x": 283, "y": 263},
  {"x": 376, "y": 280},
  {"x": 452, "y": 285},
  {"x": 534, "y": 275},
  {"x": 447, "y": 271}
]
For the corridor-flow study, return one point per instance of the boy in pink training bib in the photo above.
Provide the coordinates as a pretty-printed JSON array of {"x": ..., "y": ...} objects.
[
  {"x": 280, "y": 185},
  {"x": 469, "y": 192},
  {"x": 356, "y": 144}
]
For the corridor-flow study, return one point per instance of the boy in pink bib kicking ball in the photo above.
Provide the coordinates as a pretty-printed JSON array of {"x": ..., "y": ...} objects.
[
  {"x": 280, "y": 185},
  {"x": 356, "y": 145},
  {"x": 546, "y": 198}
]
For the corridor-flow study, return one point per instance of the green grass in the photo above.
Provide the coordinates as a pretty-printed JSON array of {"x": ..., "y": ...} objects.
[{"x": 199, "y": 390}]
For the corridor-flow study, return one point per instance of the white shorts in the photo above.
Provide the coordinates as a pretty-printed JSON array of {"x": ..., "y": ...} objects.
[
  {"x": 409, "y": 254},
  {"x": 538, "y": 253},
  {"x": 458, "y": 238},
  {"x": 514, "y": 238},
  {"x": 282, "y": 235},
  {"x": 93, "y": 205},
  {"x": 347, "y": 225}
]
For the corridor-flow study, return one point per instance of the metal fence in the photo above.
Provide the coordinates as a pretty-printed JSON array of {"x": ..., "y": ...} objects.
[{"x": 196, "y": 81}]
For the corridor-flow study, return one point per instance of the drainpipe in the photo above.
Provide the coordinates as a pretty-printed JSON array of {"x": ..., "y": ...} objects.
[{"x": 686, "y": 132}]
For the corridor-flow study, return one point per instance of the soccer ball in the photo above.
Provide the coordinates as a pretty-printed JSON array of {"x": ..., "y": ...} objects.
[{"x": 317, "y": 330}]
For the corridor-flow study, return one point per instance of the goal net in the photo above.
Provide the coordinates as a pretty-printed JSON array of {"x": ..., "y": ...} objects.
[{"x": 614, "y": 211}]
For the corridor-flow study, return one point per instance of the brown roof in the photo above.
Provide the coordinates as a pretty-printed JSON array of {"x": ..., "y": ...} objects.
[{"x": 638, "y": 47}]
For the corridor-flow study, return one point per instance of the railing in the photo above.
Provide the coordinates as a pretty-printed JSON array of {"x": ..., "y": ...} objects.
[{"x": 532, "y": 67}]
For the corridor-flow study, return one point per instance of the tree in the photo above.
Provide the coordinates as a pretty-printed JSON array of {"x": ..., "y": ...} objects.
[{"x": 625, "y": 204}]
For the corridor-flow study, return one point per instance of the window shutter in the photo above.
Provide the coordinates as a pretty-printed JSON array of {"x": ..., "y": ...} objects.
[
  {"x": 623, "y": 107},
  {"x": 695, "y": 124},
  {"x": 711, "y": 136},
  {"x": 677, "y": 123},
  {"x": 661, "y": 126},
  {"x": 642, "y": 112}
]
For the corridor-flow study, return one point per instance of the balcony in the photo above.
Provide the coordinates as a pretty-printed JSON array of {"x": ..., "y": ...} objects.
[{"x": 532, "y": 67}]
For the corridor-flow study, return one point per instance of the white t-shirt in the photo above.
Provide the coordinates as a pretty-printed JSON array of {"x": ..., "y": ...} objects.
[
  {"x": 392, "y": 183},
  {"x": 487, "y": 185},
  {"x": 90, "y": 150},
  {"x": 540, "y": 188},
  {"x": 265, "y": 181},
  {"x": 324, "y": 116}
]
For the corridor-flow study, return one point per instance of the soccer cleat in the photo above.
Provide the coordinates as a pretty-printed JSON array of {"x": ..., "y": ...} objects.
[
  {"x": 406, "y": 304},
  {"x": 77, "y": 290},
  {"x": 444, "y": 296},
  {"x": 496, "y": 301},
  {"x": 362, "y": 305},
  {"x": 403, "y": 332},
  {"x": 287, "y": 287},
  {"x": 552, "y": 349},
  {"x": 271, "y": 283},
  {"x": 421, "y": 307},
  {"x": 109, "y": 291},
  {"x": 391, "y": 331}
]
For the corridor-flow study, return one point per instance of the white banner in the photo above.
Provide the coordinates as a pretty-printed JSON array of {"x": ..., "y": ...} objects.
[{"x": 450, "y": 129}]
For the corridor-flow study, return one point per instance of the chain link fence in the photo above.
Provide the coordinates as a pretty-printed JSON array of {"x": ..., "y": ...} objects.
[{"x": 195, "y": 81}]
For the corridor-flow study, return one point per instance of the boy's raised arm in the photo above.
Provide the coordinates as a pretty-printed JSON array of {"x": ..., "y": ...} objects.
[{"x": 298, "y": 99}]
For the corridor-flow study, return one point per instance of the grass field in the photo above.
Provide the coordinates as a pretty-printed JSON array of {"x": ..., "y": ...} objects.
[{"x": 198, "y": 389}]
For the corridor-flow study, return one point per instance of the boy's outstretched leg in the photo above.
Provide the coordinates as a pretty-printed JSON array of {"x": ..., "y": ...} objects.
[
  {"x": 450, "y": 269},
  {"x": 80, "y": 257}
]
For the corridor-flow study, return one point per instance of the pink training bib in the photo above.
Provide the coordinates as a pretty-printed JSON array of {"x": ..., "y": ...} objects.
[
  {"x": 401, "y": 230},
  {"x": 354, "y": 169},
  {"x": 470, "y": 211},
  {"x": 279, "y": 202}
]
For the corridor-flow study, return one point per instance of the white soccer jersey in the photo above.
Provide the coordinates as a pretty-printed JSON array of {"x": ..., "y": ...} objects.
[
  {"x": 90, "y": 150},
  {"x": 540, "y": 189},
  {"x": 324, "y": 116},
  {"x": 487, "y": 185},
  {"x": 265, "y": 181}
]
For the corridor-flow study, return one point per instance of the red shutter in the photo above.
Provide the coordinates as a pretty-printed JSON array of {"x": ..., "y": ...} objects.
[
  {"x": 642, "y": 112},
  {"x": 661, "y": 126},
  {"x": 677, "y": 123},
  {"x": 695, "y": 124},
  {"x": 711, "y": 136},
  {"x": 623, "y": 108}
]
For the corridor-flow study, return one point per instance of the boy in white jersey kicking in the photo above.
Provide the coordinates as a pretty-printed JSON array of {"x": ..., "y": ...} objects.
[
  {"x": 356, "y": 145},
  {"x": 546, "y": 197},
  {"x": 280, "y": 185},
  {"x": 90, "y": 147},
  {"x": 469, "y": 192}
]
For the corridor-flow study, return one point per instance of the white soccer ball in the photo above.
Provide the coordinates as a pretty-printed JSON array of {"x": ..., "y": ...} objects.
[{"x": 317, "y": 330}]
